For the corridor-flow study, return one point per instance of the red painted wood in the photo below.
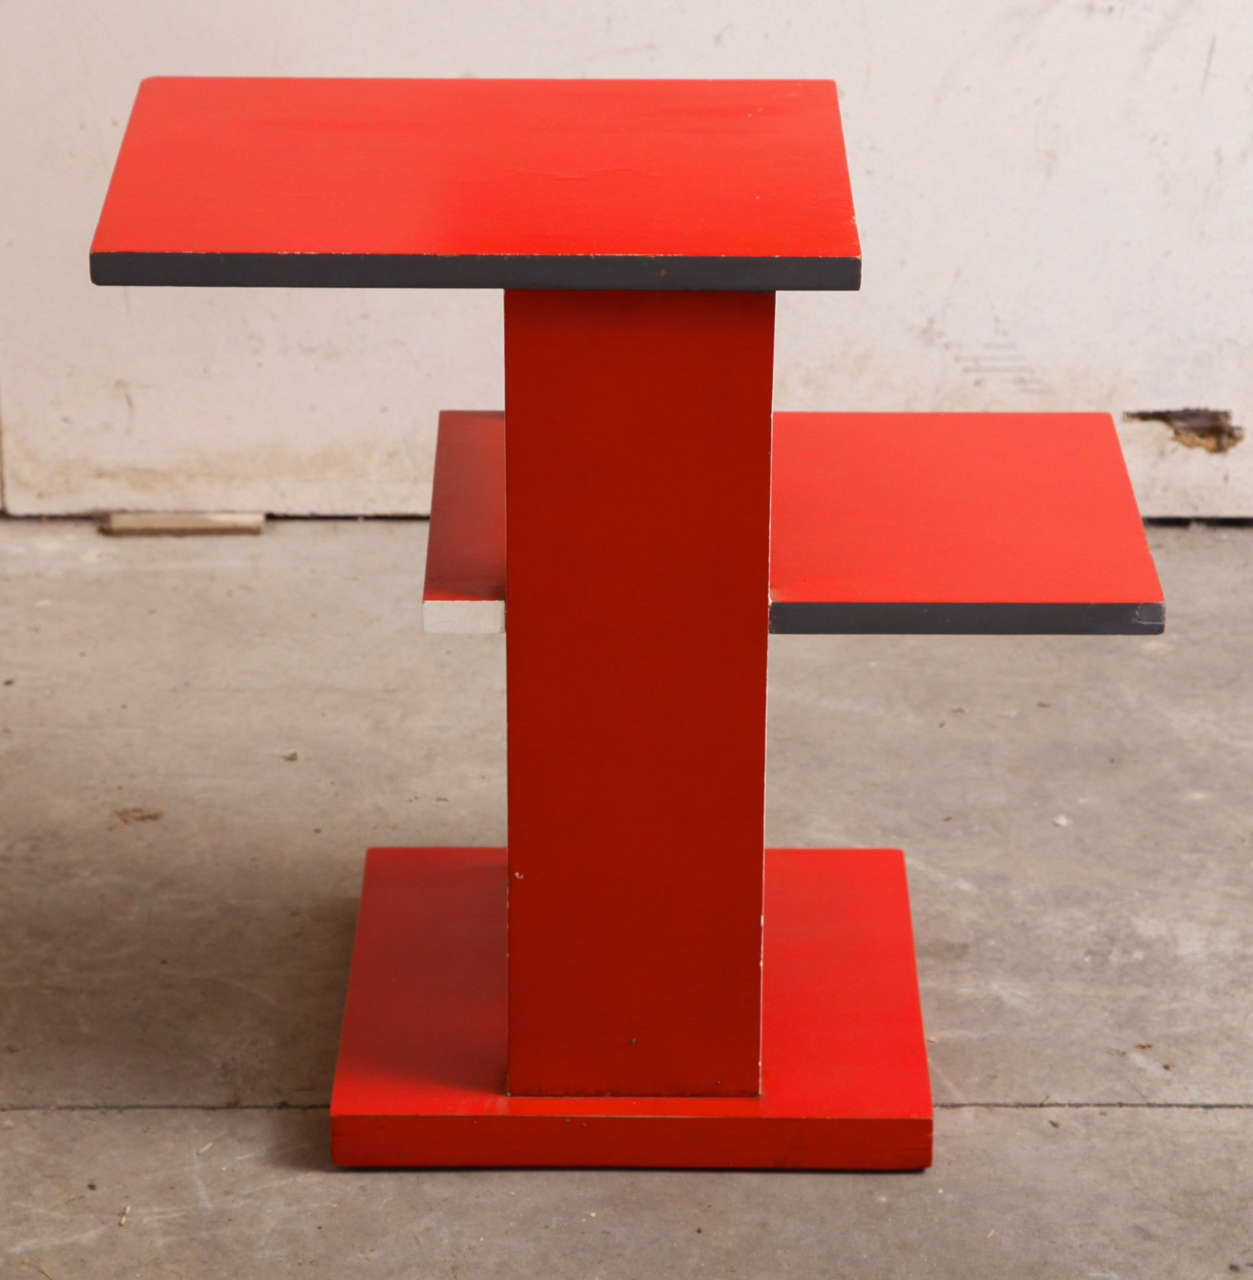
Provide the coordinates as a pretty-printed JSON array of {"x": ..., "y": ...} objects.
[
  {"x": 638, "y": 620},
  {"x": 955, "y": 507},
  {"x": 465, "y": 554},
  {"x": 1025, "y": 508},
  {"x": 421, "y": 1072},
  {"x": 726, "y": 168}
]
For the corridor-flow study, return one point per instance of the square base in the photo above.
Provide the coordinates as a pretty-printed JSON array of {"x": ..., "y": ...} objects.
[{"x": 420, "y": 1079}]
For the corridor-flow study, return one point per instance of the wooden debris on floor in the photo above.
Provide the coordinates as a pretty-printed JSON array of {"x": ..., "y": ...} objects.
[{"x": 181, "y": 523}]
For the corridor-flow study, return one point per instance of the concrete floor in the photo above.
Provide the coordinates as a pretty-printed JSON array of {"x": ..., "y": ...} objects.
[{"x": 179, "y": 890}]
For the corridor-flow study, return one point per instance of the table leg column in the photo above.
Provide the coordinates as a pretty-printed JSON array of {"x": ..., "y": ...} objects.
[{"x": 638, "y": 504}]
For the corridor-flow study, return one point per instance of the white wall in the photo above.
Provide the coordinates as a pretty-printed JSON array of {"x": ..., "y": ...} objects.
[{"x": 1054, "y": 197}]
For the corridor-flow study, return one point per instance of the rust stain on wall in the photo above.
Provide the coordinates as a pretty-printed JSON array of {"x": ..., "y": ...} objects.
[{"x": 1208, "y": 429}]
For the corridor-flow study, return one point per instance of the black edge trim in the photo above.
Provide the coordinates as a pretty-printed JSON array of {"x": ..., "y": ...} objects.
[
  {"x": 820, "y": 618},
  {"x": 409, "y": 271}
]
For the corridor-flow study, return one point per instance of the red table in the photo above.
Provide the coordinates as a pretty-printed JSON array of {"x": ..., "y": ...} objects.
[{"x": 596, "y": 996}]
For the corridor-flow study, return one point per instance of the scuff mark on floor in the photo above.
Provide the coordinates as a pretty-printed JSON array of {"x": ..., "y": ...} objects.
[{"x": 1208, "y": 429}]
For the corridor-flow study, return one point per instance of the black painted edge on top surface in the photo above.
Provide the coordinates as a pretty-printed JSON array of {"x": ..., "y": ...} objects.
[
  {"x": 966, "y": 619},
  {"x": 473, "y": 271}
]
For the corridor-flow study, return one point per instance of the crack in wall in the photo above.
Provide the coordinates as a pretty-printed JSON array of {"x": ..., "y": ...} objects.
[{"x": 1208, "y": 429}]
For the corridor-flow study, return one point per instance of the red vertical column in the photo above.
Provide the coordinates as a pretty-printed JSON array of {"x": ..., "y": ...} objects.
[{"x": 638, "y": 504}]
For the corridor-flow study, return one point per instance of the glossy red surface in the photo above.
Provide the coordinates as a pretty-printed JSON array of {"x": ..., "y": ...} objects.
[
  {"x": 1027, "y": 508},
  {"x": 465, "y": 554},
  {"x": 638, "y": 545},
  {"x": 720, "y": 168},
  {"x": 978, "y": 507},
  {"x": 421, "y": 1072}
]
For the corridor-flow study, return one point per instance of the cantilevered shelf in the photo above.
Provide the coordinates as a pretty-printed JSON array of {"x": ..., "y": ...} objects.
[{"x": 923, "y": 523}]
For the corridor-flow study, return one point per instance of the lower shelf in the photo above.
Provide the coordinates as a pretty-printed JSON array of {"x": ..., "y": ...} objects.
[
  {"x": 421, "y": 1074},
  {"x": 881, "y": 523}
]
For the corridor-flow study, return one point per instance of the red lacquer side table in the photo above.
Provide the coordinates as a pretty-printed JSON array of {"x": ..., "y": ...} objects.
[{"x": 635, "y": 981}]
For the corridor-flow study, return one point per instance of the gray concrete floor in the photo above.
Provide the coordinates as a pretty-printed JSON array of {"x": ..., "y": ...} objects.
[{"x": 178, "y": 899}]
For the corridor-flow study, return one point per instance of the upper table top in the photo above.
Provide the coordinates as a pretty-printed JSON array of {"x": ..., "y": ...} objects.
[{"x": 559, "y": 184}]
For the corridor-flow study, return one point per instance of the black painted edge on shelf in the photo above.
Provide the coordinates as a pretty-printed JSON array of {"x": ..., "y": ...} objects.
[
  {"x": 473, "y": 271},
  {"x": 966, "y": 619}
]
